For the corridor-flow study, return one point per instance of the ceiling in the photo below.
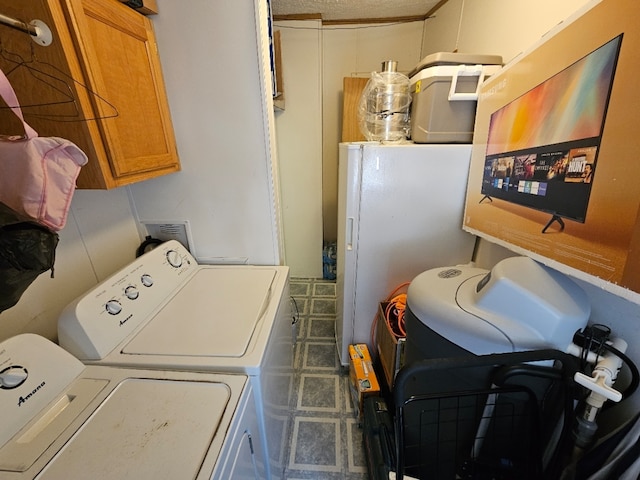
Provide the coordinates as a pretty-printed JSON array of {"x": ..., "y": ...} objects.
[{"x": 355, "y": 10}]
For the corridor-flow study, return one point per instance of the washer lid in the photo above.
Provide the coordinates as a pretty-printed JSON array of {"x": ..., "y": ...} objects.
[
  {"x": 215, "y": 314},
  {"x": 146, "y": 428}
]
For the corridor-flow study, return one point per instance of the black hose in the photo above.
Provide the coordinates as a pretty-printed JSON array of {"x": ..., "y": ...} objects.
[
  {"x": 149, "y": 241},
  {"x": 594, "y": 339}
]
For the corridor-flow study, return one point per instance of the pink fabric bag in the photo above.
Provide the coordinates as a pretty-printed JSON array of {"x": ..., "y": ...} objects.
[{"x": 37, "y": 174}]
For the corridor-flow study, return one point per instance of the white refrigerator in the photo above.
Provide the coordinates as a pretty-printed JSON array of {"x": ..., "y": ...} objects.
[{"x": 400, "y": 213}]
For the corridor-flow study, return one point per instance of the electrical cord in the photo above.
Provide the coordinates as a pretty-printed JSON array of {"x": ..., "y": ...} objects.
[
  {"x": 295, "y": 312},
  {"x": 393, "y": 314}
]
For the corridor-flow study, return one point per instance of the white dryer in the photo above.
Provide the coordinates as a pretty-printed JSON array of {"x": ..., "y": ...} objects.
[
  {"x": 63, "y": 420},
  {"x": 165, "y": 311}
]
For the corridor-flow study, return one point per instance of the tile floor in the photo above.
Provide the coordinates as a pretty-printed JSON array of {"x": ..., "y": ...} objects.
[{"x": 326, "y": 440}]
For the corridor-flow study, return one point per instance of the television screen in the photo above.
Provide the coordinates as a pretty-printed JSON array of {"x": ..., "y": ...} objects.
[{"x": 542, "y": 147}]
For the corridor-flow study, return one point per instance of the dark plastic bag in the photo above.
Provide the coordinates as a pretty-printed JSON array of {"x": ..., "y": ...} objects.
[{"x": 27, "y": 249}]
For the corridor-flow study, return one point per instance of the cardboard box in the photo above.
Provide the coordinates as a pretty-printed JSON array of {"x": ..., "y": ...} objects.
[
  {"x": 363, "y": 381},
  {"x": 390, "y": 347},
  {"x": 599, "y": 245}
]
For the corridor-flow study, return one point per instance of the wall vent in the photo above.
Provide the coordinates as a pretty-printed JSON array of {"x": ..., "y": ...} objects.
[{"x": 172, "y": 230}]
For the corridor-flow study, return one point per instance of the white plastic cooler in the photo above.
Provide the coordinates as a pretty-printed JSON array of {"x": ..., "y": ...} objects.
[{"x": 444, "y": 89}]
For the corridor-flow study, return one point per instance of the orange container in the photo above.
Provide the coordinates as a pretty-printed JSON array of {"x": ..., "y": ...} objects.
[{"x": 363, "y": 380}]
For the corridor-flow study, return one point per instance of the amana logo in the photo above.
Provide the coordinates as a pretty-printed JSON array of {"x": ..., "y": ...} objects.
[{"x": 23, "y": 400}]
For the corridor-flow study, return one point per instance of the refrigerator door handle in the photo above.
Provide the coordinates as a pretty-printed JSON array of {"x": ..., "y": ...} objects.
[{"x": 349, "y": 233}]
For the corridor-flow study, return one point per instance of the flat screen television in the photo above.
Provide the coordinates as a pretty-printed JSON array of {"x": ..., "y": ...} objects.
[{"x": 542, "y": 147}]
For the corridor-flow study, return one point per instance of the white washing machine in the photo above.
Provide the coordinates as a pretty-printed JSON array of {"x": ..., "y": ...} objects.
[
  {"x": 165, "y": 311},
  {"x": 64, "y": 420}
]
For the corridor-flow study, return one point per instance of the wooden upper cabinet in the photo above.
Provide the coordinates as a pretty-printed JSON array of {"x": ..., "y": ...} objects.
[{"x": 103, "y": 53}]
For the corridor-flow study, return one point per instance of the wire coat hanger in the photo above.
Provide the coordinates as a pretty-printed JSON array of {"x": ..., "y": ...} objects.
[
  {"x": 61, "y": 87},
  {"x": 57, "y": 82}
]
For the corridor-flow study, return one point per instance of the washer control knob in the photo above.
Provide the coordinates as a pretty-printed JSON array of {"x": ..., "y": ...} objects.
[
  {"x": 113, "y": 307},
  {"x": 131, "y": 292},
  {"x": 147, "y": 280},
  {"x": 174, "y": 258},
  {"x": 13, "y": 376}
]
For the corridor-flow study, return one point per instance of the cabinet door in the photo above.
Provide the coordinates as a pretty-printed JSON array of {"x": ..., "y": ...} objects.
[{"x": 118, "y": 53}]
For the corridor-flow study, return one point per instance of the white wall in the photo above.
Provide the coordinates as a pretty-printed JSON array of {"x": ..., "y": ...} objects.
[
  {"x": 299, "y": 136},
  {"x": 508, "y": 27},
  {"x": 441, "y": 31},
  {"x": 227, "y": 190},
  {"x": 496, "y": 27}
]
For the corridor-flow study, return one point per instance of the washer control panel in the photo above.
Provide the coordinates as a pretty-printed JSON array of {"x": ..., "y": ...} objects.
[
  {"x": 93, "y": 325},
  {"x": 33, "y": 372}
]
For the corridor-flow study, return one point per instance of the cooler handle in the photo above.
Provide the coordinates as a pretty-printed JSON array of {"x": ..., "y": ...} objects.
[{"x": 466, "y": 71}]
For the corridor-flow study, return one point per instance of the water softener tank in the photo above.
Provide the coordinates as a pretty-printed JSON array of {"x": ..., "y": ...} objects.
[
  {"x": 384, "y": 105},
  {"x": 519, "y": 305}
]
